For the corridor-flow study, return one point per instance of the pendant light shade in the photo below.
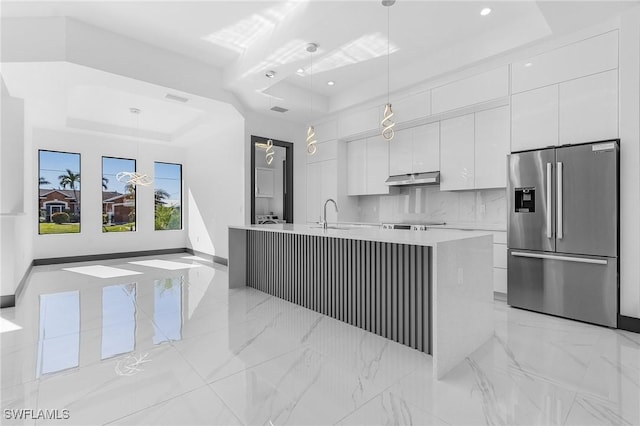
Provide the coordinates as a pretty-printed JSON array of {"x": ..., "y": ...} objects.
[
  {"x": 135, "y": 178},
  {"x": 311, "y": 141},
  {"x": 268, "y": 154}
]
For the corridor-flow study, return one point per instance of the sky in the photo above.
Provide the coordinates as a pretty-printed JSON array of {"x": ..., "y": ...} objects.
[{"x": 166, "y": 176}]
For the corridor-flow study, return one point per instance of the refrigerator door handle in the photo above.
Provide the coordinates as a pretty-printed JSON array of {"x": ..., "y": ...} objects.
[
  {"x": 549, "y": 167},
  {"x": 564, "y": 258},
  {"x": 560, "y": 231}
]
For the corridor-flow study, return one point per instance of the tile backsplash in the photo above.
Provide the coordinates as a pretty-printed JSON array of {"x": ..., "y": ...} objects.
[{"x": 428, "y": 203}]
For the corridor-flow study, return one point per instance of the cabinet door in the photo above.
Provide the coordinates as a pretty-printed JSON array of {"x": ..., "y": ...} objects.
[
  {"x": 456, "y": 153},
  {"x": 314, "y": 191},
  {"x": 492, "y": 147},
  {"x": 400, "y": 153},
  {"x": 377, "y": 166},
  {"x": 534, "y": 119},
  {"x": 426, "y": 148},
  {"x": 356, "y": 167},
  {"x": 589, "y": 108}
]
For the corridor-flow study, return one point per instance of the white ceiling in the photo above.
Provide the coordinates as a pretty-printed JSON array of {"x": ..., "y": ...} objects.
[{"x": 245, "y": 39}]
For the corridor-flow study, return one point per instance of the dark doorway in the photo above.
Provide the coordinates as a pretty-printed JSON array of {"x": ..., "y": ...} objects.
[{"x": 271, "y": 183}]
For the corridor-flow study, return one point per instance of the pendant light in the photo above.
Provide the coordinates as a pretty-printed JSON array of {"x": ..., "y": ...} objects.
[
  {"x": 387, "y": 123},
  {"x": 135, "y": 178},
  {"x": 311, "y": 131},
  {"x": 268, "y": 154}
]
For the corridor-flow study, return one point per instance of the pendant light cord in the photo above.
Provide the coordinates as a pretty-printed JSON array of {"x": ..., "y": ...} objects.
[{"x": 388, "y": 51}]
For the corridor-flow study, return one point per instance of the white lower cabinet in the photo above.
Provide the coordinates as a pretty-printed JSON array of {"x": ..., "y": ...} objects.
[
  {"x": 367, "y": 166},
  {"x": 457, "y": 153},
  {"x": 588, "y": 108},
  {"x": 492, "y": 146},
  {"x": 322, "y": 183}
]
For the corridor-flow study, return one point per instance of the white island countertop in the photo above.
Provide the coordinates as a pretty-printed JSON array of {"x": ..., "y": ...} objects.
[{"x": 428, "y": 238}]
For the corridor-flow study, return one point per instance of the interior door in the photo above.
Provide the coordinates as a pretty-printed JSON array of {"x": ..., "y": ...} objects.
[
  {"x": 587, "y": 198},
  {"x": 531, "y": 200}
]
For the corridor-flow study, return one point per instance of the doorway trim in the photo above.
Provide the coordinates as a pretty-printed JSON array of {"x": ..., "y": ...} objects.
[{"x": 288, "y": 180}]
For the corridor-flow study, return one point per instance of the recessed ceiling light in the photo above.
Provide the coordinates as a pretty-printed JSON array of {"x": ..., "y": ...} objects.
[
  {"x": 528, "y": 64},
  {"x": 270, "y": 74},
  {"x": 331, "y": 82},
  {"x": 300, "y": 71},
  {"x": 485, "y": 11}
]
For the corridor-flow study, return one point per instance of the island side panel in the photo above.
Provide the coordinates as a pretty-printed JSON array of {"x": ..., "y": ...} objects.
[
  {"x": 462, "y": 300},
  {"x": 237, "y": 258},
  {"x": 363, "y": 283}
]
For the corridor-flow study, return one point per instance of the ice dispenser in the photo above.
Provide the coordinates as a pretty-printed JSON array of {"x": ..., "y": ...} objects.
[{"x": 525, "y": 201}]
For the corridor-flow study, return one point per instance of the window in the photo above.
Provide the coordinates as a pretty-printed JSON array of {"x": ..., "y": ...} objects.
[
  {"x": 167, "y": 196},
  {"x": 59, "y": 192},
  {"x": 118, "y": 196}
]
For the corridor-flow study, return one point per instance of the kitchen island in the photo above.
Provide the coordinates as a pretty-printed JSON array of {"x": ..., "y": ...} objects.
[{"x": 430, "y": 290}]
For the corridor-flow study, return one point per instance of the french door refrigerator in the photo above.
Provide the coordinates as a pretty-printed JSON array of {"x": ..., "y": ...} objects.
[{"x": 563, "y": 231}]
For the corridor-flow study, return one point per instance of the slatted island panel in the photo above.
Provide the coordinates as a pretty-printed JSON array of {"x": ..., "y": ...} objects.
[
  {"x": 431, "y": 290},
  {"x": 377, "y": 286}
]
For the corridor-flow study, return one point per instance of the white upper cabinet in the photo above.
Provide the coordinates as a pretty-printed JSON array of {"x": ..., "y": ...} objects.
[
  {"x": 469, "y": 91},
  {"x": 457, "y": 153},
  {"x": 534, "y": 119},
  {"x": 326, "y": 131},
  {"x": 415, "y": 150},
  {"x": 355, "y": 122},
  {"x": 367, "y": 166},
  {"x": 586, "y": 57},
  {"x": 401, "y": 153},
  {"x": 426, "y": 148},
  {"x": 412, "y": 107},
  {"x": 589, "y": 108},
  {"x": 324, "y": 151},
  {"x": 356, "y": 167},
  {"x": 491, "y": 147},
  {"x": 377, "y": 165}
]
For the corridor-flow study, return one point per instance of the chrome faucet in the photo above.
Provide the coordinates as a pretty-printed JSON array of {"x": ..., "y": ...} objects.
[{"x": 324, "y": 217}]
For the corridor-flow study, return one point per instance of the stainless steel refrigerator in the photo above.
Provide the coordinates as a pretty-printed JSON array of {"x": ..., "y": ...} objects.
[{"x": 563, "y": 231}]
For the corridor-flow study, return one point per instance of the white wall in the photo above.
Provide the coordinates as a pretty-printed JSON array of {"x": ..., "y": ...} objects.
[
  {"x": 15, "y": 249},
  {"x": 91, "y": 239},
  {"x": 283, "y": 130},
  {"x": 215, "y": 188},
  {"x": 629, "y": 78}
]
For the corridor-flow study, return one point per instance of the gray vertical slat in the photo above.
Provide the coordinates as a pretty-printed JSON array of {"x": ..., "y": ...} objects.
[
  {"x": 353, "y": 282},
  {"x": 366, "y": 323},
  {"x": 407, "y": 295},
  {"x": 419, "y": 301},
  {"x": 401, "y": 288},
  {"x": 393, "y": 288},
  {"x": 428, "y": 320}
]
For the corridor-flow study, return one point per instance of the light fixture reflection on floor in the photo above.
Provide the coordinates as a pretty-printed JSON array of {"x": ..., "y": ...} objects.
[{"x": 387, "y": 123}]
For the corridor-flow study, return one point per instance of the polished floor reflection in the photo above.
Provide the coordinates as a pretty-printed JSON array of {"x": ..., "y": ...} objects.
[{"x": 171, "y": 344}]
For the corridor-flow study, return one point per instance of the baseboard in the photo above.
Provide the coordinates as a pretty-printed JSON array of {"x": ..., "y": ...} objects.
[
  {"x": 8, "y": 301},
  {"x": 106, "y": 256},
  {"x": 211, "y": 257},
  {"x": 498, "y": 295},
  {"x": 629, "y": 323}
]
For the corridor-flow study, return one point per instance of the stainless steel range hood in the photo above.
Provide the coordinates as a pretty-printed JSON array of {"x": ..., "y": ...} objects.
[{"x": 429, "y": 178}]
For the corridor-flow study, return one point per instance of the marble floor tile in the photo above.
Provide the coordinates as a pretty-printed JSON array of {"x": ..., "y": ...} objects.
[
  {"x": 177, "y": 346},
  {"x": 389, "y": 409},
  {"x": 199, "y": 407}
]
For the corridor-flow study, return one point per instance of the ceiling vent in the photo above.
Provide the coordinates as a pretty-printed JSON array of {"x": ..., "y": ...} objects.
[
  {"x": 279, "y": 109},
  {"x": 175, "y": 98}
]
